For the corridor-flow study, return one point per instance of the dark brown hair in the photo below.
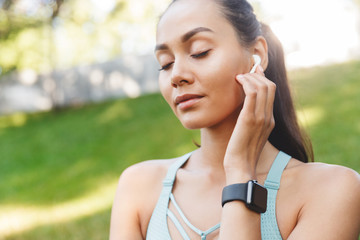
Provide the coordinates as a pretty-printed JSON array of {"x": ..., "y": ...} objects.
[{"x": 287, "y": 135}]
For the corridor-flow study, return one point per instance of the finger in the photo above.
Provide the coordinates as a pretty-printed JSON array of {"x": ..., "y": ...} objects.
[
  {"x": 271, "y": 88},
  {"x": 260, "y": 84},
  {"x": 271, "y": 91},
  {"x": 271, "y": 99},
  {"x": 250, "y": 94},
  {"x": 267, "y": 117}
]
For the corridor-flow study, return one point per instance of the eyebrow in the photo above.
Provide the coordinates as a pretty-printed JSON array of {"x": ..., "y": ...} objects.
[{"x": 185, "y": 37}]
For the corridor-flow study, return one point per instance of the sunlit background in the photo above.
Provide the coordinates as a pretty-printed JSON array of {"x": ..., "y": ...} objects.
[
  {"x": 54, "y": 47},
  {"x": 42, "y": 35},
  {"x": 58, "y": 53},
  {"x": 315, "y": 32}
]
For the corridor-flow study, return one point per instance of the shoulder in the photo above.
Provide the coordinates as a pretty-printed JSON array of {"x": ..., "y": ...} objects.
[
  {"x": 150, "y": 170},
  {"x": 332, "y": 176},
  {"x": 330, "y": 200},
  {"x": 317, "y": 179},
  {"x": 147, "y": 173},
  {"x": 341, "y": 184},
  {"x": 143, "y": 180},
  {"x": 320, "y": 173},
  {"x": 137, "y": 192},
  {"x": 316, "y": 184}
]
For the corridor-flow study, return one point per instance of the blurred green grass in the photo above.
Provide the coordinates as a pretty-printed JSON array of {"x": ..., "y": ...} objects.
[
  {"x": 51, "y": 160},
  {"x": 330, "y": 98}
]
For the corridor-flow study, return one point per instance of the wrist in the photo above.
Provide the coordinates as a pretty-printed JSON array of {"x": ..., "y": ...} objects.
[
  {"x": 236, "y": 175},
  {"x": 239, "y": 169},
  {"x": 238, "y": 178}
]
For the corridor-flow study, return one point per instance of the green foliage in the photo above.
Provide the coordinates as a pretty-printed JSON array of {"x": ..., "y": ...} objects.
[
  {"x": 52, "y": 34},
  {"x": 51, "y": 159}
]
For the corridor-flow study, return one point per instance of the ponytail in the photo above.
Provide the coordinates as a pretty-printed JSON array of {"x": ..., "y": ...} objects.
[{"x": 287, "y": 135}]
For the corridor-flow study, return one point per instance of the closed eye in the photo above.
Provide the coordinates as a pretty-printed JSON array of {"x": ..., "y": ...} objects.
[
  {"x": 200, "y": 55},
  {"x": 166, "y": 67}
]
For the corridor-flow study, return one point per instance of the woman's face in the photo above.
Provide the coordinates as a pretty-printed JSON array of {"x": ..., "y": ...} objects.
[{"x": 200, "y": 56}]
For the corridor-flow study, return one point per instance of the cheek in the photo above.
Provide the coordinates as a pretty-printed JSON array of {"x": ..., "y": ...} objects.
[
  {"x": 226, "y": 65},
  {"x": 224, "y": 84},
  {"x": 224, "y": 77},
  {"x": 166, "y": 90}
]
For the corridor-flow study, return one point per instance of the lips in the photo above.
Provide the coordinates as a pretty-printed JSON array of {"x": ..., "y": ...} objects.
[
  {"x": 187, "y": 101},
  {"x": 186, "y": 97}
]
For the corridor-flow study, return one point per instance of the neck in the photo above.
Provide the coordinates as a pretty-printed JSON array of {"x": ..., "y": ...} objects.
[{"x": 214, "y": 142}]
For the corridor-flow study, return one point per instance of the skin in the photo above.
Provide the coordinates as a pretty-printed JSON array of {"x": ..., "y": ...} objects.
[{"x": 234, "y": 113}]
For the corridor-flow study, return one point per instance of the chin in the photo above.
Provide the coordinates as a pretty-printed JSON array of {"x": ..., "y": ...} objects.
[
  {"x": 192, "y": 124},
  {"x": 196, "y": 123}
]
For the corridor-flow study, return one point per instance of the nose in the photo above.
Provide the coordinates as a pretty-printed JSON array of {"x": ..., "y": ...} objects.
[{"x": 181, "y": 74}]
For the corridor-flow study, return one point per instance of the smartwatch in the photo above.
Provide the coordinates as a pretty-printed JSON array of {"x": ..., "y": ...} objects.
[{"x": 251, "y": 193}]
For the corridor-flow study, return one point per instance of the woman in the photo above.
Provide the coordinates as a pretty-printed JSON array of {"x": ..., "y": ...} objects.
[{"x": 205, "y": 49}]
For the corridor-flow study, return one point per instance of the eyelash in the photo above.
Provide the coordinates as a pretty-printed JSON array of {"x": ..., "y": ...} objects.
[
  {"x": 165, "y": 67},
  {"x": 199, "y": 55}
]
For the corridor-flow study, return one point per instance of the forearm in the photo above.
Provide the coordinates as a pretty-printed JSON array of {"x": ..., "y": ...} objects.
[
  {"x": 247, "y": 143},
  {"x": 237, "y": 221}
]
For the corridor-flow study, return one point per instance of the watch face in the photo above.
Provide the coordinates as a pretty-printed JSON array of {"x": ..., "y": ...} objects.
[{"x": 259, "y": 198}]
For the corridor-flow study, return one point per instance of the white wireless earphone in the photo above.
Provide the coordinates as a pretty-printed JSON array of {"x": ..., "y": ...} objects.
[{"x": 257, "y": 61}]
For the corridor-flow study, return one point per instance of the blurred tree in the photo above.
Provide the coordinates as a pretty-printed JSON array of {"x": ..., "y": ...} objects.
[
  {"x": 47, "y": 34},
  {"x": 21, "y": 27}
]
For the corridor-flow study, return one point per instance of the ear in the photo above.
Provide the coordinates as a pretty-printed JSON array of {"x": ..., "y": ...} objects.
[{"x": 261, "y": 48}]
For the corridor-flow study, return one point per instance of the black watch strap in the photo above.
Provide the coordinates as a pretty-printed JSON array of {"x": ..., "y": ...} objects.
[
  {"x": 234, "y": 192},
  {"x": 251, "y": 193}
]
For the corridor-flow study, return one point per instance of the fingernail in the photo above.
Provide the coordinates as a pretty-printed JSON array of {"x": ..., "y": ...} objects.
[{"x": 240, "y": 77}]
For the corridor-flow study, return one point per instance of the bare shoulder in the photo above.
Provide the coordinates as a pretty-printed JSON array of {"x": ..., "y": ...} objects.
[
  {"x": 320, "y": 179},
  {"x": 147, "y": 171},
  {"x": 328, "y": 176},
  {"x": 138, "y": 190},
  {"x": 143, "y": 181},
  {"x": 330, "y": 201}
]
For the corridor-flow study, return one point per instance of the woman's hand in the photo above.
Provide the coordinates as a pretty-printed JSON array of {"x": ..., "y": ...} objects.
[{"x": 253, "y": 127}]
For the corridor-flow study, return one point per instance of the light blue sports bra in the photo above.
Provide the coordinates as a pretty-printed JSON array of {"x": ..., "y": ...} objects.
[{"x": 158, "y": 225}]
